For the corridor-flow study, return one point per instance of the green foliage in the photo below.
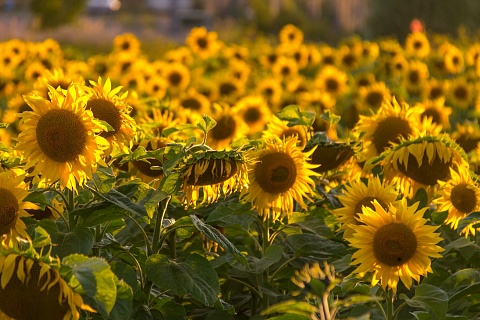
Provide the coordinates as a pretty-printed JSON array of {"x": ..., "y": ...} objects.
[{"x": 54, "y": 13}]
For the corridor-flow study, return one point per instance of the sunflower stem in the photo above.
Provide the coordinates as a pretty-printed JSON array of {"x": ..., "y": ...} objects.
[
  {"x": 265, "y": 245},
  {"x": 158, "y": 224},
  {"x": 71, "y": 206},
  {"x": 390, "y": 311}
]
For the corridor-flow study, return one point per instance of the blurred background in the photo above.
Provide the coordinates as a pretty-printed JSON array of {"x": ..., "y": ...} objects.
[{"x": 92, "y": 24}]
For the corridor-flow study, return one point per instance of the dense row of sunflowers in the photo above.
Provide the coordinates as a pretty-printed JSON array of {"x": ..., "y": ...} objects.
[{"x": 368, "y": 149}]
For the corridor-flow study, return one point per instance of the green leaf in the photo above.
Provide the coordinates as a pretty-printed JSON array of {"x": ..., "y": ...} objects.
[
  {"x": 104, "y": 213},
  {"x": 171, "y": 183},
  {"x": 122, "y": 201},
  {"x": 171, "y": 310},
  {"x": 313, "y": 245},
  {"x": 206, "y": 124},
  {"x": 273, "y": 254},
  {"x": 79, "y": 240},
  {"x": 105, "y": 124},
  {"x": 296, "y": 307},
  {"x": 457, "y": 244},
  {"x": 180, "y": 278},
  {"x": 204, "y": 269},
  {"x": 123, "y": 308},
  {"x": 472, "y": 219},
  {"x": 151, "y": 200},
  {"x": 96, "y": 280},
  {"x": 215, "y": 235},
  {"x": 429, "y": 298},
  {"x": 330, "y": 117},
  {"x": 104, "y": 179},
  {"x": 294, "y": 116},
  {"x": 41, "y": 238},
  {"x": 3, "y": 125},
  {"x": 289, "y": 316},
  {"x": 36, "y": 197}
]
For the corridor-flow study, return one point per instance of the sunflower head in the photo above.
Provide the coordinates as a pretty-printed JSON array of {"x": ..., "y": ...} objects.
[
  {"x": 203, "y": 43},
  {"x": 32, "y": 288},
  {"x": 291, "y": 35},
  {"x": 212, "y": 174},
  {"x": 279, "y": 176},
  {"x": 395, "y": 244},
  {"x": 417, "y": 44},
  {"x": 126, "y": 43}
]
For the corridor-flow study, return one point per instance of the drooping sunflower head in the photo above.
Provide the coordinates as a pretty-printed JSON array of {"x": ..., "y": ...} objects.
[
  {"x": 395, "y": 244},
  {"x": 280, "y": 176},
  {"x": 417, "y": 44},
  {"x": 460, "y": 196},
  {"x": 254, "y": 112},
  {"x": 59, "y": 140},
  {"x": 209, "y": 175},
  {"x": 12, "y": 192},
  {"x": 33, "y": 288},
  {"x": 392, "y": 122},
  {"x": 359, "y": 194},
  {"x": 421, "y": 162},
  {"x": 107, "y": 105}
]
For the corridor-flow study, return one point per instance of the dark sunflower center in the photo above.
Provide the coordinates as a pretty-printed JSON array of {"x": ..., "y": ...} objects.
[
  {"x": 374, "y": 99},
  {"x": 175, "y": 78},
  {"x": 202, "y": 43},
  {"x": 106, "y": 111},
  {"x": 39, "y": 214},
  {"x": 348, "y": 60},
  {"x": 224, "y": 129},
  {"x": 332, "y": 85},
  {"x": 435, "y": 93},
  {"x": 328, "y": 60},
  {"x": 275, "y": 172},
  {"x": 467, "y": 143},
  {"x": 8, "y": 210},
  {"x": 285, "y": 71},
  {"x": 290, "y": 132},
  {"x": 456, "y": 60},
  {"x": 417, "y": 45},
  {"x": 460, "y": 93},
  {"x": 463, "y": 198},
  {"x": 367, "y": 202},
  {"x": 218, "y": 170},
  {"x": 191, "y": 103},
  {"x": 252, "y": 115},
  {"x": 432, "y": 113},
  {"x": 363, "y": 82},
  {"x": 227, "y": 88},
  {"x": 390, "y": 130},
  {"x": 330, "y": 158},
  {"x": 125, "y": 66},
  {"x": 61, "y": 135},
  {"x": 268, "y": 92},
  {"x": 427, "y": 173},
  {"x": 26, "y": 301},
  {"x": 291, "y": 36},
  {"x": 394, "y": 244},
  {"x": 272, "y": 58},
  {"x": 125, "y": 45},
  {"x": 414, "y": 76}
]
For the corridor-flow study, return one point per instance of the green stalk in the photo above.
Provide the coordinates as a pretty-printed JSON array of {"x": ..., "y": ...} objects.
[
  {"x": 158, "y": 224},
  {"x": 390, "y": 311}
]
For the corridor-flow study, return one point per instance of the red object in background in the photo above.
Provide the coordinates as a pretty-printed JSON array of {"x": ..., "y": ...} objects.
[{"x": 417, "y": 26}]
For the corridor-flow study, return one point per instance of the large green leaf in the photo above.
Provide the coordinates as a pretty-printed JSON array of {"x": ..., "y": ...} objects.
[
  {"x": 294, "y": 116},
  {"x": 182, "y": 279},
  {"x": 41, "y": 238},
  {"x": 122, "y": 201},
  {"x": 104, "y": 179},
  {"x": 79, "y": 240},
  {"x": 206, "y": 123},
  {"x": 215, "y": 235},
  {"x": 300, "y": 308},
  {"x": 312, "y": 245},
  {"x": 429, "y": 298},
  {"x": 96, "y": 280},
  {"x": 123, "y": 308}
]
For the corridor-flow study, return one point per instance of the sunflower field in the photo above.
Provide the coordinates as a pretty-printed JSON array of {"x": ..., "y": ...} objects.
[{"x": 271, "y": 179}]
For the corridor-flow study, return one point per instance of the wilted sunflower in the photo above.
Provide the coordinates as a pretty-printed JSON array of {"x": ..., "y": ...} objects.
[
  {"x": 254, "y": 111},
  {"x": 359, "y": 194},
  {"x": 60, "y": 139},
  {"x": 391, "y": 123},
  {"x": 332, "y": 80},
  {"x": 33, "y": 288},
  {"x": 12, "y": 192},
  {"x": 278, "y": 128},
  {"x": 279, "y": 177},
  {"x": 107, "y": 105},
  {"x": 202, "y": 42},
  {"x": 421, "y": 162},
  {"x": 417, "y": 44},
  {"x": 460, "y": 196},
  {"x": 394, "y": 244},
  {"x": 211, "y": 174}
]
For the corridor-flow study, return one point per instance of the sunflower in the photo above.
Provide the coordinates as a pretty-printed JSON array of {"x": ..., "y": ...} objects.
[
  {"x": 467, "y": 135},
  {"x": 460, "y": 93},
  {"x": 370, "y": 51},
  {"x": 437, "y": 111},
  {"x": 421, "y": 162},
  {"x": 212, "y": 174},
  {"x": 373, "y": 95},
  {"x": 239, "y": 70},
  {"x": 332, "y": 80},
  {"x": 317, "y": 101},
  {"x": 194, "y": 101},
  {"x": 348, "y": 57},
  {"x": 59, "y": 139},
  {"x": 229, "y": 128},
  {"x": 460, "y": 196},
  {"x": 271, "y": 90},
  {"x": 279, "y": 128},
  {"x": 254, "y": 111},
  {"x": 328, "y": 55},
  {"x": 434, "y": 89},
  {"x": 279, "y": 177},
  {"x": 33, "y": 288},
  {"x": 391, "y": 123},
  {"x": 181, "y": 55},
  {"x": 359, "y": 194},
  {"x": 394, "y": 244},
  {"x": 177, "y": 77},
  {"x": 285, "y": 68},
  {"x": 107, "y": 105},
  {"x": 301, "y": 55},
  {"x": 126, "y": 43},
  {"x": 453, "y": 58},
  {"x": 12, "y": 192},
  {"x": 290, "y": 35},
  {"x": 417, "y": 44},
  {"x": 133, "y": 81},
  {"x": 56, "y": 78},
  {"x": 156, "y": 87},
  {"x": 473, "y": 54},
  {"x": 34, "y": 71},
  {"x": 364, "y": 79},
  {"x": 203, "y": 43},
  {"x": 230, "y": 89},
  {"x": 415, "y": 76}
]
